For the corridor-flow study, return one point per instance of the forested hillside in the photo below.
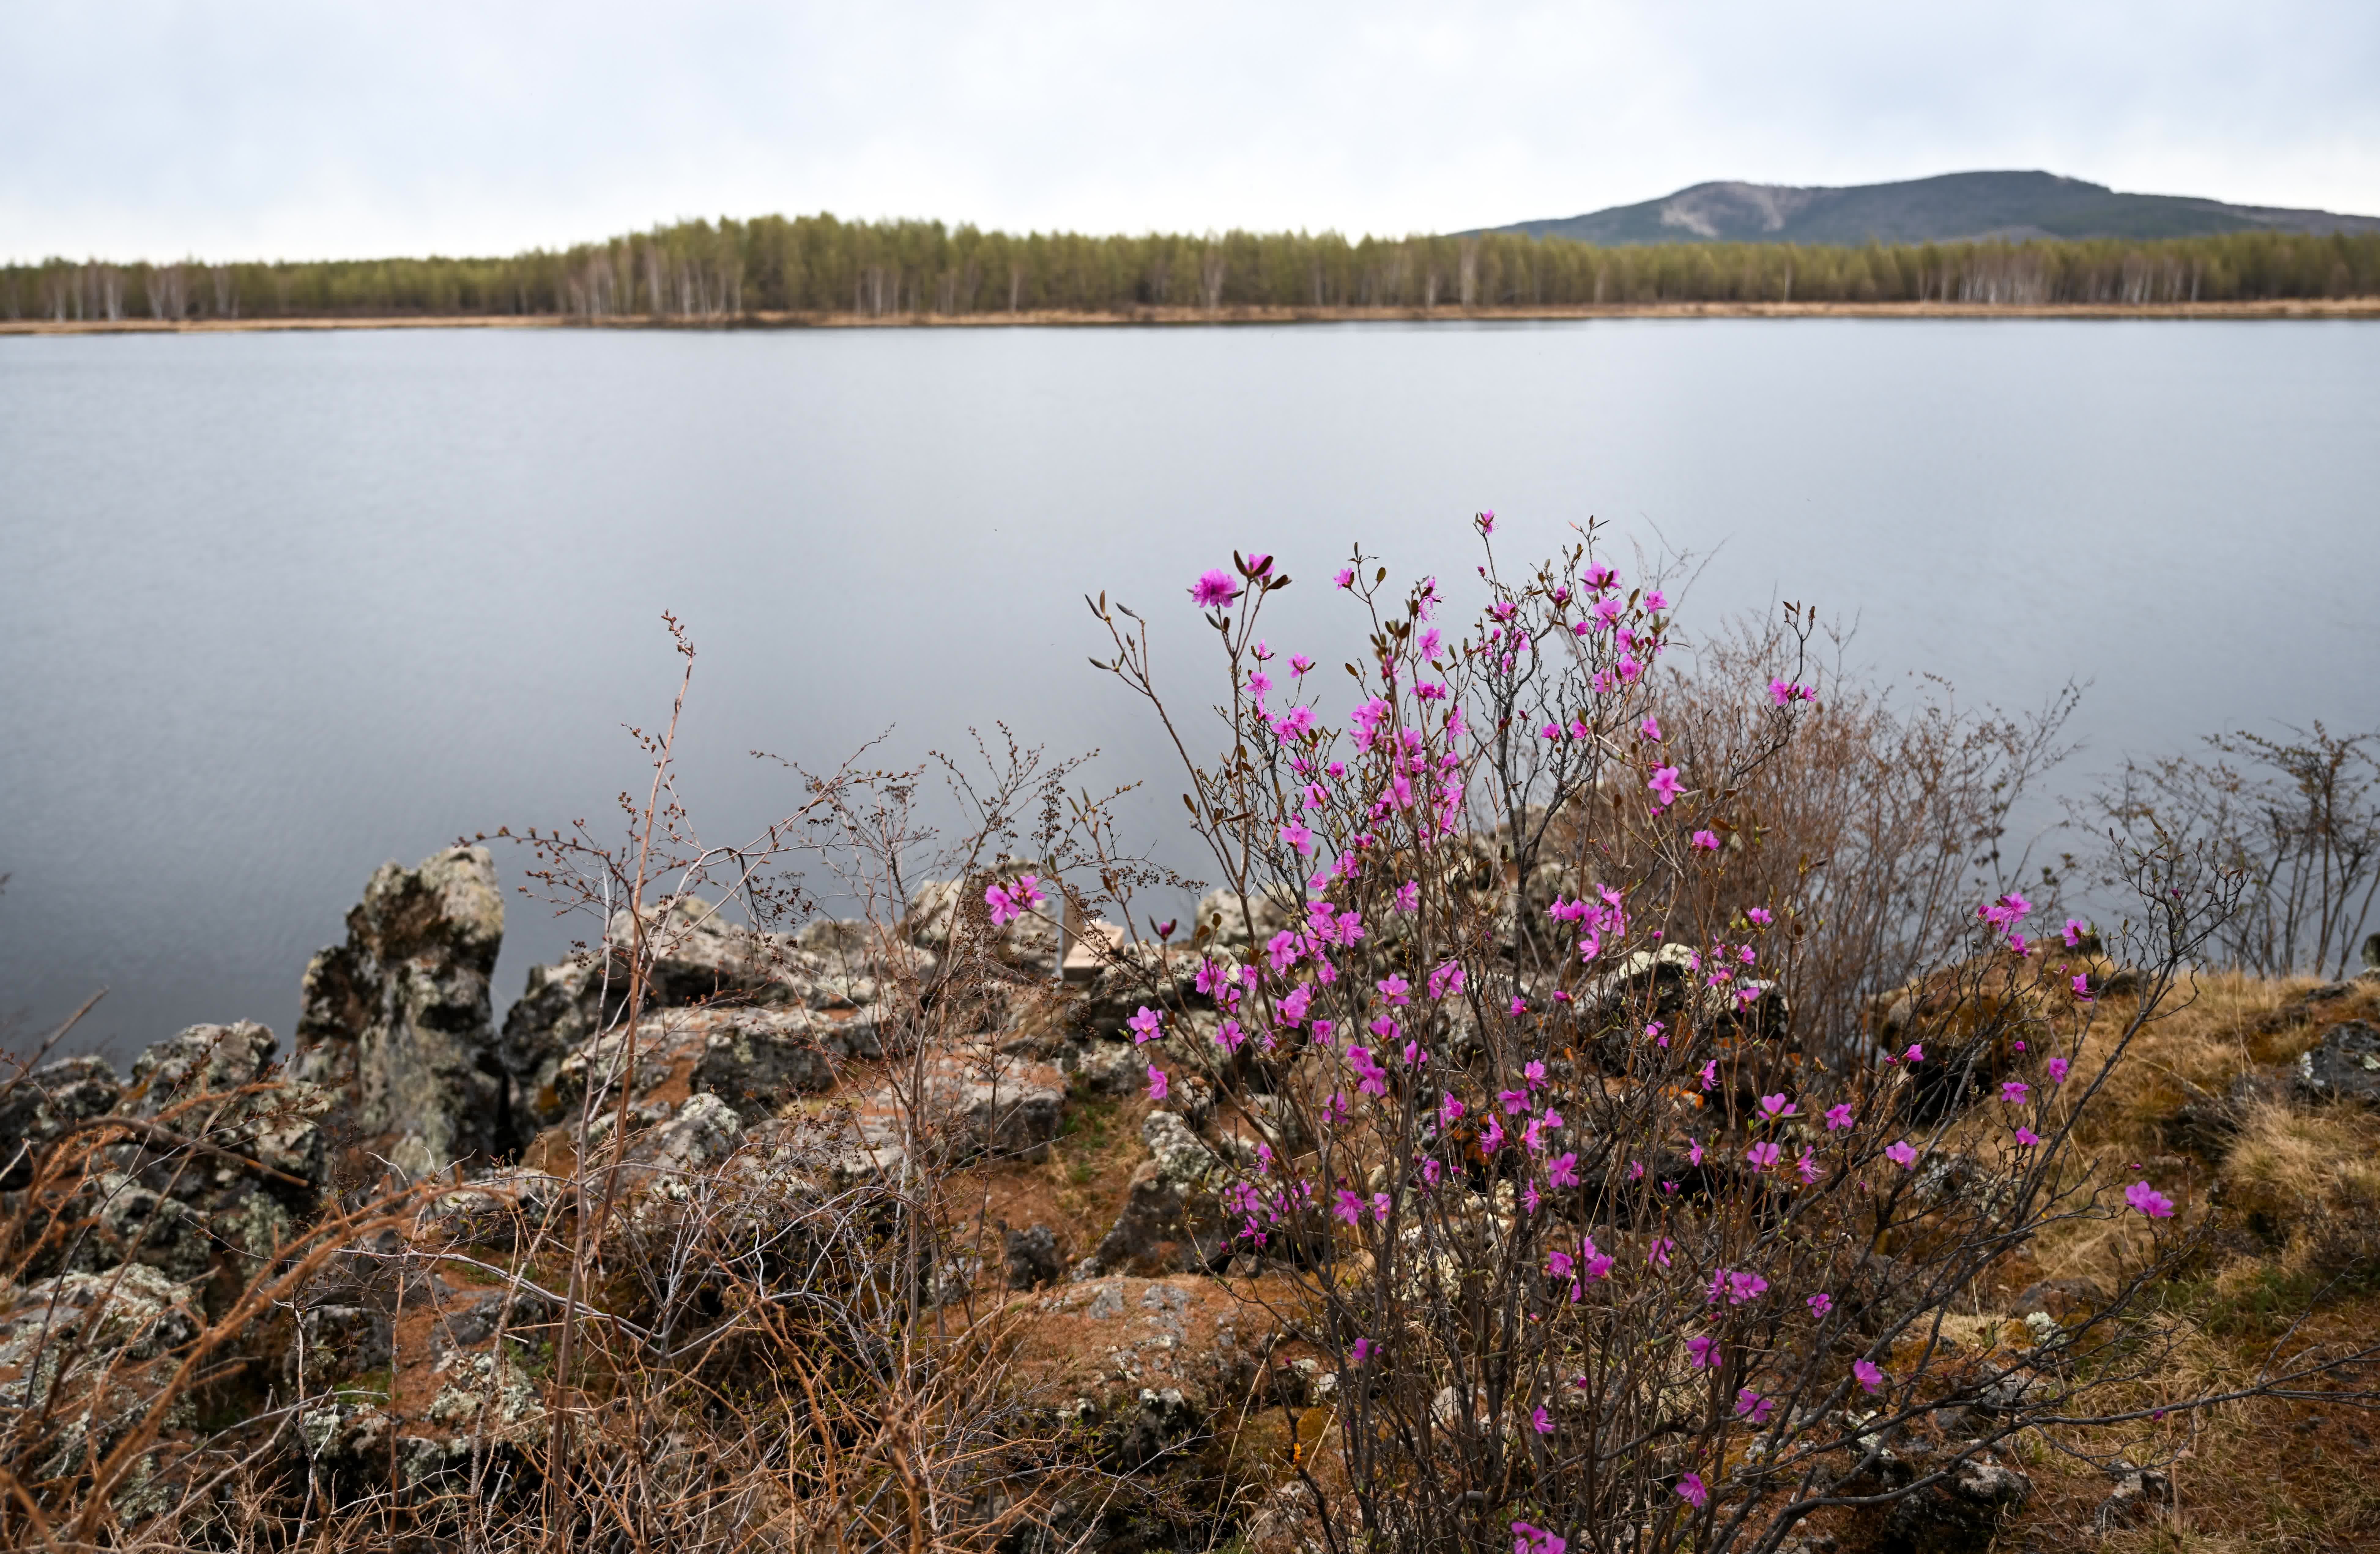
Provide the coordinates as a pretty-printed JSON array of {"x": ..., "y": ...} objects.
[{"x": 819, "y": 264}]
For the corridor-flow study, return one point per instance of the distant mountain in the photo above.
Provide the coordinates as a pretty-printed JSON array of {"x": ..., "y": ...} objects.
[{"x": 1953, "y": 206}]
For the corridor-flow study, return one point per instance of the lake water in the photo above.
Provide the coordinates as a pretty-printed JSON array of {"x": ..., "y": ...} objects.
[{"x": 274, "y": 609}]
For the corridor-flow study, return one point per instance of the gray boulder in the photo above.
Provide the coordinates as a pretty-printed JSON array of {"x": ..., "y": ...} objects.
[
  {"x": 399, "y": 1020},
  {"x": 1961, "y": 1513},
  {"x": 1173, "y": 1219},
  {"x": 2345, "y": 1066}
]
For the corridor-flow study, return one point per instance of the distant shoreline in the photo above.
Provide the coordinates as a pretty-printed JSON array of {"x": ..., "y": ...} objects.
[{"x": 2310, "y": 308}]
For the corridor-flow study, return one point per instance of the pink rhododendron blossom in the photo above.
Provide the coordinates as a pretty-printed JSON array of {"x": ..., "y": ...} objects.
[
  {"x": 1707, "y": 841},
  {"x": 1003, "y": 909},
  {"x": 1144, "y": 1024},
  {"x": 1559, "y": 1265},
  {"x": 1751, "y": 1405},
  {"x": 1408, "y": 896},
  {"x": 1396, "y": 989},
  {"x": 1703, "y": 1352},
  {"x": 1650, "y": 730},
  {"x": 2026, "y": 1138},
  {"x": 1901, "y": 1155},
  {"x": 1344, "y": 577},
  {"x": 1520, "y": 1007},
  {"x": 1690, "y": 1490},
  {"x": 1513, "y": 1101},
  {"x": 1695, "y": 1152},
  {"x": 2082, "y": 987},
  {"x": 2075, "y": 929},
  {"x": 1710, "y": 1074},
  {"x": 1155, "y": 1082},
  {"x": 1542, "y": 1422},
  {"x": 1360, "y": 1353},
  {"x": 1660, "y": 1254},
  {"x": 1760, "y": 915},
  {"x": 1293, "y": 1007},
  {"x": 2014, "y": 1091},
  {"x": 1821, "y": 1304},
  {"x": 1808, "y": 1167},
  {"x": 1916, "y": 1053},
  {"x": 2149, "y": 1201},
  {"x": 1839, "y": 1118},
  {"x": 1446, "y": 982},
  {"x": 2057, "y": 1071},
  {"x": 1655, "y": 601},
  {"x": 1777, "y": 1106},
  {"x": 1869, "y": 1374},
  {"x": 1665, "y": 786},
  {"x": 1449, "y": 1111},
  {"x": 1743, "y": 1287},
  {"x": 1297, "y": 836},
  {"x": 1349, "y": 1207},
  {"x": 1491, "y": 1137},
  {"x": 1562, "y": 1170},
  {"x": 1214, "y": 589},
  {"x": 1229, "y": 1037},
  {"x": 1532, "y": 1074},
  {"x": 1762, "y": 1155}
]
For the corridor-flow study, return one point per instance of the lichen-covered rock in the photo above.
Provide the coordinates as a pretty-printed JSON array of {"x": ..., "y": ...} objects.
[
  {"x": 399, "y": 1020},
  {"x": 82, "y": 1358},
  {"x": 1172, "y": 1218},
  {"x": 1032, "y": 1257},
  {"x": 2345, "y": 1066},
  {"x": 39, "y": 1108},
  {"x": 334, "y": 1344},
  {"x": 1961, "y": 1513}
]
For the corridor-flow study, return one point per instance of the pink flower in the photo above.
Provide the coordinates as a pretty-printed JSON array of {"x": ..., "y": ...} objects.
[
  {"x": 1344, "y": 577},
  {"x": 1216, "y": 588},
  {"x": 2026, "y": 1138},
  {"x": 1901, "y": 1155},
  {"x": 1751, "y": 1405},
  {"x": 2082, "y": 987},
  {"x": 1513, "y": 1101},
  {"x": 1299, "y": 663},
  {"x": 2014, "y": 1091},
  {"x": 1446, "y": 980},
  {"x": 1396, "y": 989},
  {"x": 1808, "y": 1167},
  {"x": 1710, "y": 1074},
  {"x": 1666, "y": 787},
  {"x": 1650, "y": 730},
  {"x": 1694, "y": 1153},
  {"x": 1821, "y": 1304},
  {"x": 1520, "y": 1007},
  {"x": 1449, "y": 1111},
  {"x": 1559, "y": 1265},
  {"x": 1408, "y": 897},
  {"x": 1689, "y": 1489},
  {"x": 1662, "y": 1247},
  {"x": 1144, "y": 1026},
  {"x": 1707, "y": 841},
  {"x": 1491, "y": 1137},
  {"x": 1762, "y": 1155},
  {"x": 1155, "y": 1082},
  {"x": 1916, "y": 1053},
  {"x": 2075, "y": 929},
  {"x": 1777, "y": 1106},
  {"x": 1532, "y": 1074},
  {"x": 1360, "y": 1353},
  {"x": 1562, "y": 1170},
  {"x": 1003, "y": 910},
  {"x": 2057, "y": 1071},
  {"x": 1839, "y": 1118},
  {"x": 1870, "y": 1375},
  {"x": 1297, "y": 835},
  {"x": 1703, "y": 1352},
  {"x": 1542, "y": 1422},
  {"x": 1350, "y": 1206},
  {"x": 2149, "y": 1201},
  {"x": 1760, "y": 915},
  {"x": 1743, "y": 1287},
  {"x": 1229, "y": 1037}
]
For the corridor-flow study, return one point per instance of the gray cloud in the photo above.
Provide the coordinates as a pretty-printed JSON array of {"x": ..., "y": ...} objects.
[{"x": 306, "y": 130}]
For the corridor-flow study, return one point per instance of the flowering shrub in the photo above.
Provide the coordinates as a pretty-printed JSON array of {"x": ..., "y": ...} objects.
[{"x": 1598, "y": 1253}]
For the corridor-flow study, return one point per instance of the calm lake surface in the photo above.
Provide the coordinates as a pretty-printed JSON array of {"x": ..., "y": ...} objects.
[{"x": 274, "y": 609}]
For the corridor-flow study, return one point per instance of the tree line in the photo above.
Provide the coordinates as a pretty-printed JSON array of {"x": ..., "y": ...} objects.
[{"x": 819, "y": 264}]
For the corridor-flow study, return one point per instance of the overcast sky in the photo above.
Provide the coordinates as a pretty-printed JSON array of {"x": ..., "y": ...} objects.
[{"x": 137, "y": 130}]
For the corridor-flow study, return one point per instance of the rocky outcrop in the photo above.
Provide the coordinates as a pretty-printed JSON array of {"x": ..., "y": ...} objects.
[
  {"x": 2344, "y": 1066},
  {"x": 1173, "y": 1219},
  {"x": 399, "y": 1022}
]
